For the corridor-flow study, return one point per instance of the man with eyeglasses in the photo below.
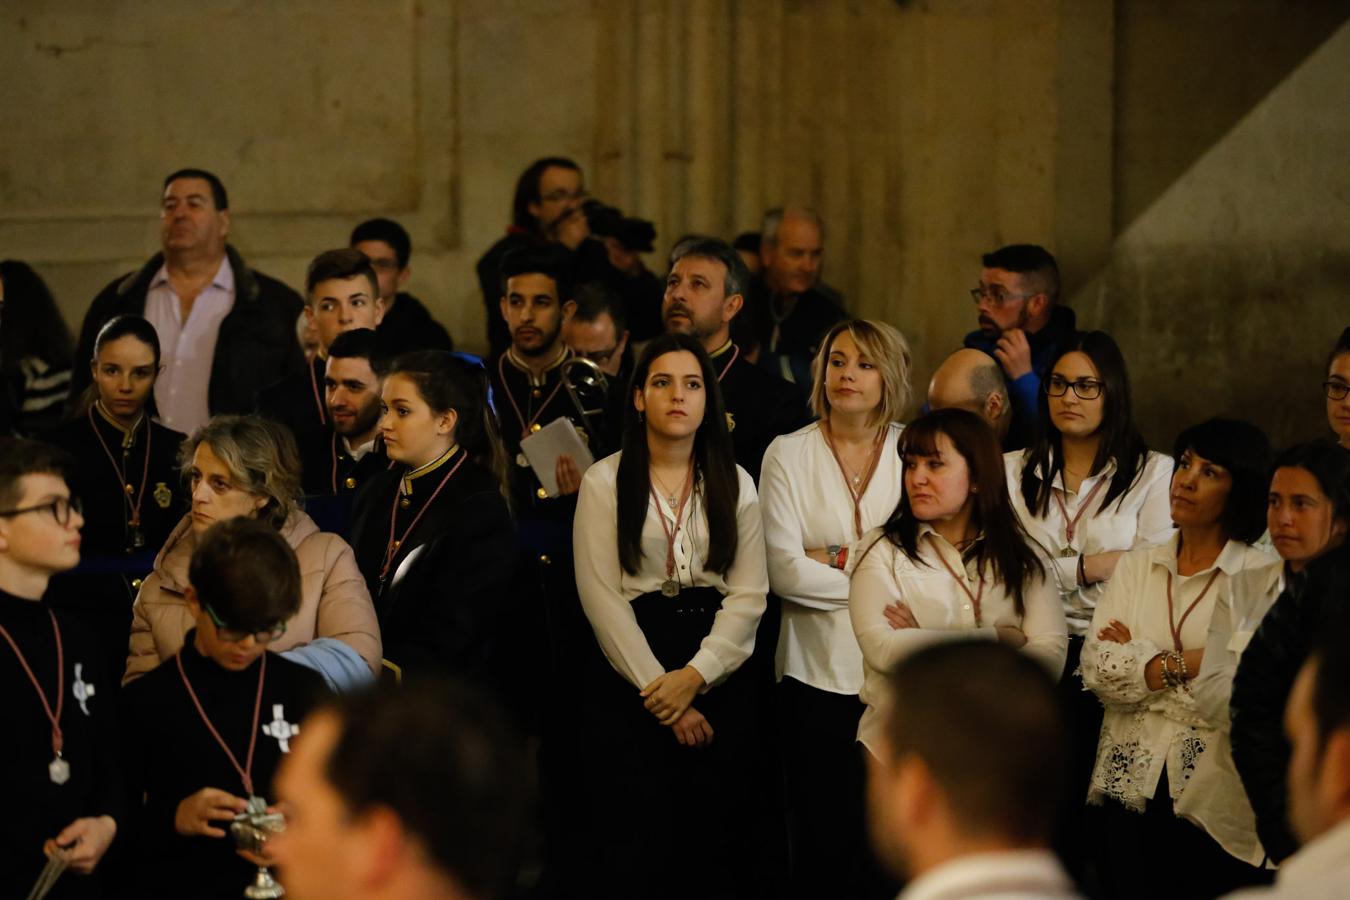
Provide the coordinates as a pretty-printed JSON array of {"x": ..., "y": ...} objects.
[
  {"x": 59, "y": 770},
  {"x": 407, "y": 324},
  {"x": 1022, "y": 326},
  {"x": 548, "y": 208},
  {"x": 598, "y": 331},
  {"x": 204, "y": 732}
]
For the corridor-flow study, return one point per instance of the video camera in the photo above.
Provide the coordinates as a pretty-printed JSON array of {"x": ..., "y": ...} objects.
[{"x": 635, "y": 234}]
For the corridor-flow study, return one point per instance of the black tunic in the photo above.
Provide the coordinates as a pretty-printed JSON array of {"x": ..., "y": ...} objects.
[
  {"x": 37, "y": 809},
  {"x": 409, "y": 326},
  {"x": 761, "y": 406},
  {"x": 297, "y": 401},
  {"x": 101, "y": 590},
  {"x": 169, "y": 754},
  {"x": 442, "y": 611},
  {"x": 524, "y": 404},
  {"x": 329, "y": 469}
]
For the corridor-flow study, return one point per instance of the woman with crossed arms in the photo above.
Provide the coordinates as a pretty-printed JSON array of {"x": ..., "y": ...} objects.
[
  {"x": 952, "y": 563},
  {"x": 670, "y": 571},
  {"x": 1172, "y": 804},
  {"x": 821, "y": 489}
]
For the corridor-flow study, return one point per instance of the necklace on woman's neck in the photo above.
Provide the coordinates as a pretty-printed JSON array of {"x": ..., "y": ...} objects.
[{"x": 672, "y": 497}]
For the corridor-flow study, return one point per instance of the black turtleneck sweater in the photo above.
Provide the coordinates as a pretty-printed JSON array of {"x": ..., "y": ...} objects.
[
  {"x": 37, "y": 809},
  {"x": 170, "y": 754}
]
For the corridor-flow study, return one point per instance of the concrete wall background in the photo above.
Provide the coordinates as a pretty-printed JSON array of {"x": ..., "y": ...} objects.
[{"x": 926, "y": 131}]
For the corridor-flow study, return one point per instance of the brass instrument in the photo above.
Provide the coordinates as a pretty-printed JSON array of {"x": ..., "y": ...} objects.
[{"x": 589, "y": 391}]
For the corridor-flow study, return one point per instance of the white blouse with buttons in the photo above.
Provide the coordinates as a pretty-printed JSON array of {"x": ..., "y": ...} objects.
[
  {"x": 607, "y": 591},
  {"x": 807, "y": 503},
  {"x": 885, "y": 575},
  {"x": 1140, "y": 517}
]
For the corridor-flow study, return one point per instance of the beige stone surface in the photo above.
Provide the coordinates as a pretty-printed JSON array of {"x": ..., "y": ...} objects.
[{"x": 925, "y": 131}]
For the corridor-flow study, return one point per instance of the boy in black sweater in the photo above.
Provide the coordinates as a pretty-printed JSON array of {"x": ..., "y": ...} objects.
[
  {"x": 205, "y": 731},
  {"x": 58, "y": 759}
]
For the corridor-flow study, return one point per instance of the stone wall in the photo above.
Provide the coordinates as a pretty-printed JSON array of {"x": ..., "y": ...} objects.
[{"x": 926, "y": 132}]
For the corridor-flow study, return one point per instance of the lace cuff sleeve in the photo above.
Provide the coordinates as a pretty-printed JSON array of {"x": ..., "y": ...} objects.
[{"x": 1115, "y": 672}]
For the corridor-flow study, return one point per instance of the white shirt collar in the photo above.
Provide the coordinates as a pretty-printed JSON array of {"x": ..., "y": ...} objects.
[{"x": 1010, "y": 873}]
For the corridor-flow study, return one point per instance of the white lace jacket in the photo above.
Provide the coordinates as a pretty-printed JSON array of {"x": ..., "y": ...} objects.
[{"x": 1145, "y": 730}]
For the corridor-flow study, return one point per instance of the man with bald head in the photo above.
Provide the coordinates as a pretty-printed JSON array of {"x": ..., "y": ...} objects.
[{"x": 972, "y": 380}]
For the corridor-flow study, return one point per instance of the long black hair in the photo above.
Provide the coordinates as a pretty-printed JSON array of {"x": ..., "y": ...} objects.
[
  {"x": 446, "y": 382},
  {"x": 1005, "y": 547},
  {"x": 1120, "y": 441},
  {"x": 714, "y": 463}
]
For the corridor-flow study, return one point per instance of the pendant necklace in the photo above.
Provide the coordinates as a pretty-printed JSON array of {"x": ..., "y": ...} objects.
[
  {"x": 58, "y": 770},
  {"x": 246, "y": 770},
  {"x": 671, "y": 586},
  {"x": 137, "y": 537}
]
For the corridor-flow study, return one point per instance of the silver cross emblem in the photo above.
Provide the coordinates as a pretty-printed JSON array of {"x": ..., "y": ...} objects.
[
  {"x": 280, "y": 729},
  {"x": 82, "y": 689}
]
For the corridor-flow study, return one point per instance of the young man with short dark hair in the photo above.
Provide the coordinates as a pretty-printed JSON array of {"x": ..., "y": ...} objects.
[
  {"x": 413, "y": 794},
  {"x": 963, "y": 793},
  {"x": 59, "y": 771},
  {"x": 1022, "y": 325},
  {"x": 341, "y": 293},
  {"x": 205, "y": 731},
  {"x": 343, "y": 455},
  {"x": 407, "y": 324}
]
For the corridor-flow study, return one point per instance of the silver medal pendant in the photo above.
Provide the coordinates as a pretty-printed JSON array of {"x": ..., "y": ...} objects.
[
  {"x": 137, "y": 539},
  {"x": 58, "y": 770},
  {"x": 670, "y": 587}
]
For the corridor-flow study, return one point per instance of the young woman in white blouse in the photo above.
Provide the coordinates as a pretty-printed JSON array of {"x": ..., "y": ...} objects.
[
  {"x": 821, "y": 488},
  {"x": 1087, "y": 490},
  {"x": 1173, "y": 807},
  {"x": 670, "y": 571},
  {"x": 952, "y": 563}
]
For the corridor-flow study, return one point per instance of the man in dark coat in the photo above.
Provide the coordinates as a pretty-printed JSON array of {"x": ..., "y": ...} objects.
[
  {"x": 1023, "y": 326},
  {"x": 407, "y": 324},
  {"x": 226, "y": 331},
  {"x": 548, "y": 210}
]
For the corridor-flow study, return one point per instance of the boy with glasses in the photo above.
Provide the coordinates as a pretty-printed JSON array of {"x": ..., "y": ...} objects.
[
  {"x": 58, "y": 771},
  {"x": 205, "y": 731}
]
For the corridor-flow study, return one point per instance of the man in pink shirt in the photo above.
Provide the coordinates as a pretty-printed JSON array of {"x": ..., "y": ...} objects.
[{"x": 226, "y": 331}]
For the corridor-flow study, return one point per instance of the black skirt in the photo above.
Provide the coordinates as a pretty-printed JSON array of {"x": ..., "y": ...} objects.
[{"x": 650, "y": 792}]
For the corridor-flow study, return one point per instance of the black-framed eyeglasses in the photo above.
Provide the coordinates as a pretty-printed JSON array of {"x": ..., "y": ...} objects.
[
  {"x": 60, "y": 508},
  {"x": 1083, "y": 388},
  {"x": 239, "y": 635},
  {"x": 1336, "y": 390},
  {"x": 996, "y": 295}
]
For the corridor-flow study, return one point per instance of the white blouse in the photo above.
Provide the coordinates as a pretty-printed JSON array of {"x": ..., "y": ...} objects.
[
  {"x": 1144, "y": 730},
  {"x": 885, "y": 575},
  {"x": 607, "y": 590},
  {"x": 807, "y": 503},
  {"x": 1140, "y": 517},
  {"x": 1237, "y": 614}
]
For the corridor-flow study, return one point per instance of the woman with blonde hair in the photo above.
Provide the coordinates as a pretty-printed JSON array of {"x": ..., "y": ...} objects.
[
  {"x": 821, "y": 488},
  {"x": 246, "y": 466}
]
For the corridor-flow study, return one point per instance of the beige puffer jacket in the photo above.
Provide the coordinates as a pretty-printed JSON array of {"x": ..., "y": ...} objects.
[{"x": 334, "y": 603}]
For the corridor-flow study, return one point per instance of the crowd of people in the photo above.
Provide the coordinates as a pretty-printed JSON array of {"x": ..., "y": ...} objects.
[{"x": 663, "y": 597}]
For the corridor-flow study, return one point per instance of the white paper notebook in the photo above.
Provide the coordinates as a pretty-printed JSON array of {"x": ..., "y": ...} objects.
[{"x": 544, "y": 447}]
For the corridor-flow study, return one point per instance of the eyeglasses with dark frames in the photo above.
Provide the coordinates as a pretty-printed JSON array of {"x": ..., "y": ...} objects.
[
  {"x": 1336, "y": 390},
  {"x": 996, "y": 295},
  {"x": 239, "y": 635},
  {"x": 1083, "y": 388},
  {"x": 60, "y": 508}
]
